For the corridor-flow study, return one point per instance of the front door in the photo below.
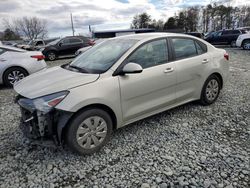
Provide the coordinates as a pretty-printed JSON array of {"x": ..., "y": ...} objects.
[
  {"x": 65, "y": 47},
  {"x": 154, "y": 88}
]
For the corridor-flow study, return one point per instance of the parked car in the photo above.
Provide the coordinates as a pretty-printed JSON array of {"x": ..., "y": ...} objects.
[
  {"x": 224, "y": 37},
  {"x": 37, "y": 44},
  {"x": 64, "y": 46},
  {"x": 196, "y": 34},
  {"x": 247, "y": 28},
  {"x": 84, "y": 49},
  {"x": 22, "y": 44},
  {"x": 118, "y": 82},
  {"x": 15, "y": 64},
  {"x": 243, "y": 41},
  {"x": 9, "y": 43}
]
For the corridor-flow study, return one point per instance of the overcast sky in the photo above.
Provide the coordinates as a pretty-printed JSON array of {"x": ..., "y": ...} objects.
[{"x": 100, "y": 14}]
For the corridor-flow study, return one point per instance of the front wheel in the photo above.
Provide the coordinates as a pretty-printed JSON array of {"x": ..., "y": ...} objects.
[
  {"x": 13, "y": 75},
  {"x": 210, "y": 90},
  {"x": 89, "y": 131},
  {"x": 246, "y": 44},
  {"x": 51, "y": 56}
]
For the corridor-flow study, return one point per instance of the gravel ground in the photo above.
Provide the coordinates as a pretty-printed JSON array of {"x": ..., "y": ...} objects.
[{"x": 189, "y": 146}]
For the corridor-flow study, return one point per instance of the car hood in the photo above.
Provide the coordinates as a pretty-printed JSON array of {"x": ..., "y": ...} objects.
[{"x": 52, "y": 80}]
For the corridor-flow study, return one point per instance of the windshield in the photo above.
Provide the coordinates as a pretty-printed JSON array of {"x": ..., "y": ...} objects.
[
  {"x": 101, "y": 57},
  {"x": 54, "y": 42},
  {"x": 31, "y": 42}
]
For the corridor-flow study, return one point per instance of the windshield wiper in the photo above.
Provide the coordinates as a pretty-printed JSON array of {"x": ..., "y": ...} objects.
[{"x": 80, "y": 69}]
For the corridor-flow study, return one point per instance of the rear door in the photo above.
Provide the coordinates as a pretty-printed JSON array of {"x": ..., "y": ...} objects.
[
  {"x": 154, "y": 88},
  {"x": 192, "y": 61},
  {"x": 76, "y": 44},
  {"x": 235, "y": 34}
]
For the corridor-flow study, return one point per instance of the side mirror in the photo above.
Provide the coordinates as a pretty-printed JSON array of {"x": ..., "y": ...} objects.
[
  {"x": 60, "y": 44},
  {"x": 132, "y": 68}
]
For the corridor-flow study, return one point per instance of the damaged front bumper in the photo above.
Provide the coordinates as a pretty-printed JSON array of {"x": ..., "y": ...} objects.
[{"x": 36, "y": 124}]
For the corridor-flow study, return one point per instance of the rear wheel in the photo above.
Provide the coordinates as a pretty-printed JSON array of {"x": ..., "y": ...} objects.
[
  {"x": 233, "y": 44},
  {"x": 51, "y": 55},
  {"x": 210, "y": 90},
  {"x": 13, "y": 75},
  {"x": 246, "y": 44},
  {"x": 89, "y": 131}
]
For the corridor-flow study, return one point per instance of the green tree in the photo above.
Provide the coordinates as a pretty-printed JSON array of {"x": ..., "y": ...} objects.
[
  {"x": 8, "y": 34},
  {"x": 170, "y": 24},
  {"x": 221, "y": 13},
  {"x": 181, "y": 21},
  {"x": 141, "y": 21}
]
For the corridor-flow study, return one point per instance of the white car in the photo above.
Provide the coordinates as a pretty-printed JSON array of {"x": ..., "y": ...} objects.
[
  {"x": 117, "y": 82},
  {"x": 16, "y": 64},
  {"x": 84, "y": 49},
  {"x": 243, "y": 41}
]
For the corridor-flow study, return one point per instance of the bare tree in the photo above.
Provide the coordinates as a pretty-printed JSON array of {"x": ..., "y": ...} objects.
[{"x": 31, "y": 28}]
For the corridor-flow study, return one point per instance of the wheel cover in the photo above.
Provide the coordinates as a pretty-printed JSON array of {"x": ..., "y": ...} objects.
[
  {"x": 52, "y": 56},
  {"x": 212, "y": 90},
  {"x": 91, "y": 132},
  {"x": 247, "y": 45},
  {"x": 15, "y": 76}
]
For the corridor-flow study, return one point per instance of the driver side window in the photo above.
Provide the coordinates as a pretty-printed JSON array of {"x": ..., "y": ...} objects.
[
  {"x": 66, "y": 41},
  {"x": 218, "y": 34},
  {"x": 150, "y": 54}
]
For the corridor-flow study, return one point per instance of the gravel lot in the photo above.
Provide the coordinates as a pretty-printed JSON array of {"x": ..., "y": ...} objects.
[{"x": 189, "y": 146}]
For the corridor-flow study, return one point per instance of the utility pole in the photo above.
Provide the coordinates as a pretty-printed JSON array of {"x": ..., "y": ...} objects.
[{"x": 72, "y": 24}]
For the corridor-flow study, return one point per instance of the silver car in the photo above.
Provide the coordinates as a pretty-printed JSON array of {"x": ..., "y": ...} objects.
[
  {"x": 117, "y": 82},
  {"x": 15, "y": 64}
]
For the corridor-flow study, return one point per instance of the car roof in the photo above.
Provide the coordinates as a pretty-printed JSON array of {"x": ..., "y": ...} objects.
[{"x": 147, "y": 36}]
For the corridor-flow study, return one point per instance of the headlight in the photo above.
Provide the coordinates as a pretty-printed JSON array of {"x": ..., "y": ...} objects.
[
  {"x": 41, "y": 49},
  {"x": 48, "y": 102}
]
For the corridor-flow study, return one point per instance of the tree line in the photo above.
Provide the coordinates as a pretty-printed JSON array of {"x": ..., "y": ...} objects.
[
  {"x": 198, "y": 18},
  {"x": 28, "y": 27}
]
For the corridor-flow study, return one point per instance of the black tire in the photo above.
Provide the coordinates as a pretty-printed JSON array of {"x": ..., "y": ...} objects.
[
  {"x": 233, "y": 44},
  {"x": 51, "y": 55},
  {"x": 11, "y": 72},
  {"x": 71, "y": 134},
  {"x": 245, "y": 44},
  {"x": 204, "y": 100}
]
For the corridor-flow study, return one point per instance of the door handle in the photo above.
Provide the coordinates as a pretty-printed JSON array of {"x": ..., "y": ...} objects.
[
  {"x": 168, "y": 70},
  {"x": 204, "y": 61},
  {"x": 2, "y": 59}
]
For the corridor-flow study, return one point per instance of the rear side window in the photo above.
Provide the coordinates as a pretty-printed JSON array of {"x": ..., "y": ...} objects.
[
  {"x": 150, "y": 54},
  {"x": 228, "y": 32},
  {"x": 75, "y": 40},
  {"x": 39, "y": 43},
  {"x": 201, "y": 47},
  {"x": 184, "y": 48},
  {"x": 243, "y": 31},
  {"x": 236, "y": 32}
]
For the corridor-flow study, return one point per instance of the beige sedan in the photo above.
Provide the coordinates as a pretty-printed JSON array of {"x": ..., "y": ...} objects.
[{"x": 117, "y": 82}]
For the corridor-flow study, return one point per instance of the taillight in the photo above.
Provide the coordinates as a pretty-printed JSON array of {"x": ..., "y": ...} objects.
[
  {"x": 91, "y": 42},
  {"x": 226, "y": 56},
  {"x": 38, "y": 57}
]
